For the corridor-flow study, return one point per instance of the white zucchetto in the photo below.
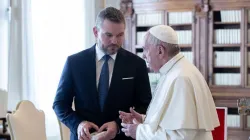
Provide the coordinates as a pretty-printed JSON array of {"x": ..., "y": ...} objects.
[{"x": 164, "y": 33}]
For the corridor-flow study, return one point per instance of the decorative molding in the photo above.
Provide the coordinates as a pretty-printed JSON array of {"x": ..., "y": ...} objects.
[
  {"x": 243, "y": 106},
  {"x": 126, "y": 6},
  {"x": 170, "y": 6},
  {"x": 201, "y": 9},
  {"x": 228, "y": 4}
]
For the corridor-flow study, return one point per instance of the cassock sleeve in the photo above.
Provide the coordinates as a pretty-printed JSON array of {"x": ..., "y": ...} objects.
[{"x": 144, "y": 132}]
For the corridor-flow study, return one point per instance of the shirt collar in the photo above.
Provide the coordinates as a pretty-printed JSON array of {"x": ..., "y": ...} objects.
[
  {"x": 166, "y": 67},
  {"x": 100, "y": 53}
]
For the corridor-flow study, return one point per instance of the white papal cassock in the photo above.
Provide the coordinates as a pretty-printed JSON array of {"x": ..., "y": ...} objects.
[{"x": 182, "y": 107}]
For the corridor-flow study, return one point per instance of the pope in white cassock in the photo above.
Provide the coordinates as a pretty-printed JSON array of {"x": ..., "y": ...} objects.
[{"x": 182, "y": 107}]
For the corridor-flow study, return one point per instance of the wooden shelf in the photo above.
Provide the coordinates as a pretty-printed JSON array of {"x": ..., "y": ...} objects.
[
  {"x": 229, "y": 92},
  {"x": 226, "y": 45},
  {"x": 234, "y": 128},
  {"x": 225, "y": 23},
  {"x": 185, "y": 45},
  {"x": 183, "y": 24},
  {"x": 227, "y": 67}
]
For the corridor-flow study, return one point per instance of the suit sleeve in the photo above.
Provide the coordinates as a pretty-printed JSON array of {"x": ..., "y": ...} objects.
[
  {"x": 143, "y": 94},
  {"x": 63, "y": 100}
]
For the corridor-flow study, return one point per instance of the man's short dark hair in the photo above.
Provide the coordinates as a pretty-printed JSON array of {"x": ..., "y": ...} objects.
[{"x": 110, "y": 13}]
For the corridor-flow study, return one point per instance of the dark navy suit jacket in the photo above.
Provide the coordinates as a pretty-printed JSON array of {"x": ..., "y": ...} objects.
[{"x": 79, "y": 80}]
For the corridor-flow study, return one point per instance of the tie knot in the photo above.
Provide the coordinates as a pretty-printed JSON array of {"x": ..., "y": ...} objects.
[{"x": 106, "y": 57}]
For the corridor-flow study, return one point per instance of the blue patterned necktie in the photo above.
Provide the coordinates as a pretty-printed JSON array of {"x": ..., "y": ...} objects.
[{"x": 103, "y": 85}]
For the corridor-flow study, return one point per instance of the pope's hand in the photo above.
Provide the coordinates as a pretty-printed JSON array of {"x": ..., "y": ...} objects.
[
  {"x": 129, "y": 117},
  {"x": 130, "y": 129},
  {"x": 83, "y": 130}
]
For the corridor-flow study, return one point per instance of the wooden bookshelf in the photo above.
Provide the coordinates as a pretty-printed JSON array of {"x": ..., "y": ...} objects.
[{"x": 227, "y": 95}]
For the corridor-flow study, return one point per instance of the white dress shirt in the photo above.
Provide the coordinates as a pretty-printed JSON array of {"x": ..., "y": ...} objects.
[{"x": 100, "y": 62}]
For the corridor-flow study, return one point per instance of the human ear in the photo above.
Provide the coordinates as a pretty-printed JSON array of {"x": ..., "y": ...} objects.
[
  {"x": 161, "y": 51},
  {"x": 95, "y": 31}
]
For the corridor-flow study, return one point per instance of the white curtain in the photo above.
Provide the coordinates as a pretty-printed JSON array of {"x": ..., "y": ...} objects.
[
  {"x": 43, "y": 34},
  {"x": 4, "y": 43},
  {"x": 16, "y": 56}
]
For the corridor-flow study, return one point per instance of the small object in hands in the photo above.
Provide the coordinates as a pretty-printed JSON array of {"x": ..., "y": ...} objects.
[
  {"x": 243, "y": 106},
  {"x": 96, "y": 135}
]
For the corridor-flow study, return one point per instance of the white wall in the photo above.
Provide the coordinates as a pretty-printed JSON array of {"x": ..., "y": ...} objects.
[
  {"x": 100, "y": 4},
  {"x": 113, "y": 3}
]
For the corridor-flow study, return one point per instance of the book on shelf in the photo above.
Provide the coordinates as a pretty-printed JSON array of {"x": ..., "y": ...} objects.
[
  {"x": 149, "y": 19},
  {"x": 230, "y": 15},
  {"x": 184, "y": 36},
  {"x": 227, "y": 79},
  {"x": 227, "y": 58},
  {"x": 233, "y": 120},
  {"x": 227, "y": 36},
  {"x": 140, "y": 36},
  {"x": 180, "y": 18}
]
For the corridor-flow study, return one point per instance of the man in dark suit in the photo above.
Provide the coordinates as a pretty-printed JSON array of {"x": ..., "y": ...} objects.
[{"x": 102, "y": 80}]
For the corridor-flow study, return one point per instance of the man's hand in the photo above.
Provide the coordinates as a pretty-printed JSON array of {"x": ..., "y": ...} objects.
[
  {"x": 110, "y": 130},
  {"x": 83, "y": 130},
  {"x": 129, "y": 117},
  {"x": 130, "y": 129}
]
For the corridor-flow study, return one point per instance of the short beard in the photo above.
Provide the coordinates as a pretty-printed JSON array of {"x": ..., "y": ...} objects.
[{"x": 106, "y": 50}]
